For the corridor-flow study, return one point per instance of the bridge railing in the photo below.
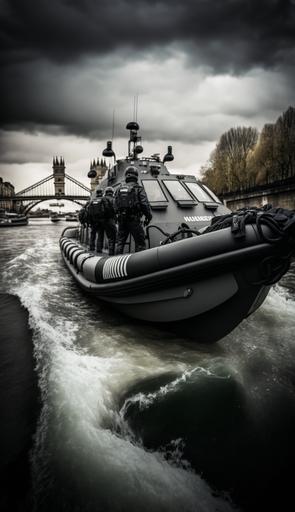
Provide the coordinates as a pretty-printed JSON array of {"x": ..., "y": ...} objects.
[
  {"x": 259, "y": 188},
  {"x": 35, "y": 185},
  {"x": 46, "y": 187}
]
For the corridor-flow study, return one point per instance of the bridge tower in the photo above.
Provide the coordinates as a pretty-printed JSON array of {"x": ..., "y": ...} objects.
[
  {"x": 100, "y": 168},
  {"x": 59, "y": 176}
]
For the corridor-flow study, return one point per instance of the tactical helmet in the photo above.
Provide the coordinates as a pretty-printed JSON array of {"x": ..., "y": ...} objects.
[
  {"x": 98, "y": 192},
  {"x": 131, "y": 173},
  {"x": 109, "y": 191}
]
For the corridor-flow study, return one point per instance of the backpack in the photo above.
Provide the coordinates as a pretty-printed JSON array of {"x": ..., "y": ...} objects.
[
  {"x": 96, "y": 210},
  {"x": 126, "y": 199},
  {"x": 82, "y": 215},
  {"x": 109, "y": 211}
]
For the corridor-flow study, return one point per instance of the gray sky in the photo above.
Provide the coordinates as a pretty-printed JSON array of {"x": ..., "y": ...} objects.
[{"x": 199, "y": 67}]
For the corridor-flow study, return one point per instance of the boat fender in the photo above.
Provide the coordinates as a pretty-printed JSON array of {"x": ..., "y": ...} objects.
[
  {"x": 79, "y": 260},
  {"x": 68, "y": 248},
  {"x": 65, "y": 248},
  {"x": 71, "y": 249},
  {"x": 71, "y": 252},
  {"x": 75, "y": 255},
  {"x": 89, "y": 266},
  {"x": 76, "y": 262},
  {"x": 64, "y": 242},
  {"x": 86, "y": 257}
]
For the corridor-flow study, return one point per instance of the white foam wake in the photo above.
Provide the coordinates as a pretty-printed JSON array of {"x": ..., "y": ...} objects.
[{"x": 83, "y": 370}]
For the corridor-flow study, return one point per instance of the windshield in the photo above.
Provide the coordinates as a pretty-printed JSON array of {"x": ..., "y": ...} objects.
[
  {"x": 212, "y": 194},
  {"x": 198, "y": 192},
  {"x": 177, "y": 190},
  {"x": 154, "y": 191}
]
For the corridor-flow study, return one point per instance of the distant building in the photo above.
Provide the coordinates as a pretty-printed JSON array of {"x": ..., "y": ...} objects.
[
  {"x": 40, "y": 212},
  {"x": 59, "y": 176},
  {"x": 6, "y": 191},
  {"x": 100, "y": 168}
]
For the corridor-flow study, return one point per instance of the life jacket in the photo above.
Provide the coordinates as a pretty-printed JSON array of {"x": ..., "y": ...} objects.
[
  {"x": 96, "y": 210},
  {"x": 127, "y": 200}
]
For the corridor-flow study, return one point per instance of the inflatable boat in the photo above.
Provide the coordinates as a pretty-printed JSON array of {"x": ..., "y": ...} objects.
[{"x": 205, "y": 268}]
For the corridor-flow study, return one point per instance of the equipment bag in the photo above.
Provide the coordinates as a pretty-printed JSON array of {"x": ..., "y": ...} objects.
[
  {"x": 126, "y": 199},
  {"x": 109, "y": 211},
  {"x": 96, "y": 210}
]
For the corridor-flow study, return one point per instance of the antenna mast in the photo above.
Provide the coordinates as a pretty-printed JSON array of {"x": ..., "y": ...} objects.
[
  {"x": 113, "y": 126},
  {"x": 136, "y": 106},
  {"x": 134, "y": 127}
]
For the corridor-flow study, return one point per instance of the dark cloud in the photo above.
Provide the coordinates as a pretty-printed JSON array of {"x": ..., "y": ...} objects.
[
  {"x": 50, "y": 50},
  {"x": 176, "y": 102},
  {"x": 228, "y": 33}
]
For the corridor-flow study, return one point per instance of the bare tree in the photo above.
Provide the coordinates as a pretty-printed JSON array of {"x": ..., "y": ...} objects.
[
  {"x": 229, "y": 161},
  {"x": 241, "y": 160},
  {"x": 261, "y": 161},
  {"x": 284, "y": 144}
]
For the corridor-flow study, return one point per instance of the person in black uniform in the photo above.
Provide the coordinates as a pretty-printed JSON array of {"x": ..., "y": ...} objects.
[
  {"x": 95, "y": 216},
  {"x": 109, "y": 222},
  {"x": 81, "y": 216},
  {"x": 84, "y": 221},
  {"x": 131, "y": 203},
  {"x": 102, "y": 218}
]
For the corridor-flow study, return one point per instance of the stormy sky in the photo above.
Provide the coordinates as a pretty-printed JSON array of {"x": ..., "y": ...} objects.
[{"x": 199, "y": 67}]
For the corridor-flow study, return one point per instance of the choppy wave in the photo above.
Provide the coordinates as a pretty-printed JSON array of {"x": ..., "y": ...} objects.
[
  {"x": 84, "y": 367},
  {"x": 109, "y": 387}
]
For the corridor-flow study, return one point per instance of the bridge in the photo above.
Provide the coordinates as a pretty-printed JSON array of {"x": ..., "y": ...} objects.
[{"x": 58, "y": 186}]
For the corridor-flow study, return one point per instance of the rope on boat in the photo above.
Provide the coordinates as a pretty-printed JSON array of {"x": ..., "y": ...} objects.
[
  {"x": 184, "y": 230},
  {"x": 280, "y": 221}
]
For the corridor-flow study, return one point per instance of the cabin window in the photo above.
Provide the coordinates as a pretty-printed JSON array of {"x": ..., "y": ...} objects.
[
  {"x": 198, "y": 192},
  {"x": 212, "y": 194},
  {"x": 154, "y": 191},
  {"x": 177, "y": 190}
]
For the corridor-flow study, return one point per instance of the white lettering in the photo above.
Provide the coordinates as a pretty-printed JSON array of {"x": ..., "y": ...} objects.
[{"x": 198, "y": 218}]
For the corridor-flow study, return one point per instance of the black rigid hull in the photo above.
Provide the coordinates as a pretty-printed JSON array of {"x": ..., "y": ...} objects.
[{"x": 204, "y": 286}]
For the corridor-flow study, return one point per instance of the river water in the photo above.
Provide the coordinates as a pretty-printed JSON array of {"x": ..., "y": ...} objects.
[{"x": 135, "y": 419}]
